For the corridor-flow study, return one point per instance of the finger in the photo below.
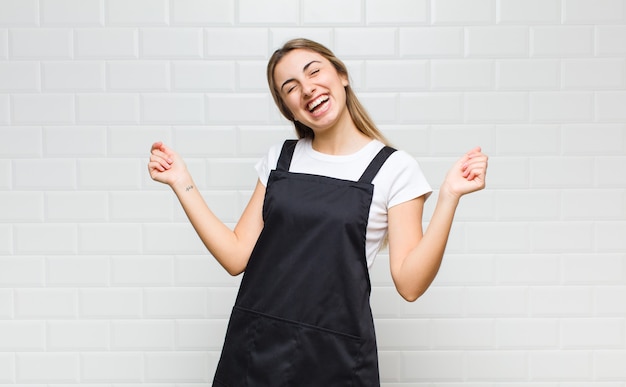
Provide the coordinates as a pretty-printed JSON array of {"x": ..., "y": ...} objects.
[{"x": 161, "y": 161}]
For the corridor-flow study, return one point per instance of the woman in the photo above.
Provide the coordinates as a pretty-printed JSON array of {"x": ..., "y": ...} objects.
[{"x": 321, "y": 209}]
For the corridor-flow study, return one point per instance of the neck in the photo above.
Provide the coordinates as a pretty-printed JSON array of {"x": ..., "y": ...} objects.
[{"x": 340, "y": 142}]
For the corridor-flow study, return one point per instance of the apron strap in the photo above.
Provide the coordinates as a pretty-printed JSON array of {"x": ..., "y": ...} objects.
[
  {"x": 376, "y": 164},
  {"x": 284, "y": 160}
]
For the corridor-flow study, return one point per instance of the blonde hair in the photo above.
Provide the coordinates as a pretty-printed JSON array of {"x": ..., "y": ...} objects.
[{"x": 357, "y": 111}]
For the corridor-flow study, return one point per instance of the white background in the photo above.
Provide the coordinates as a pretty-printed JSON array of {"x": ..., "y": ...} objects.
[{"x": 103, "y": 282}]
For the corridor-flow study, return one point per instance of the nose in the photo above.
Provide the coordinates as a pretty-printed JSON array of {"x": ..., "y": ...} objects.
[{"x": 308, "y": 89}]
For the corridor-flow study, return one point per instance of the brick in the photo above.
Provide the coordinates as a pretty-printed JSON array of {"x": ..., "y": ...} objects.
[
  {"x": 45, "y": 238},
  {"x": 607, "y": 175},
  {"x": 609, "y": 106},
  {"x": 593, "y": 74},
  {"x": 553, "y": 172},
  {"x": 109, "y": 238},
  {"x": 192, "y": 141},
  {"x": 138, "y": 76},
  {"x": 594, "y": 139},
  {"x": 109, "y": 43},
  {"x": 173, "y": 108},
  {"x": 438, "y": 301},
  {"x": 84, "y": 141},
  {"x": 7, "y": 368},
  {"x": 497, "y": 42},
  {"x": 76, "y": 206},
  {"x": 47, "y": 367},
  {"x": 529, "y": 12},
  {"x": 74, "y": 12},
  {"x": 555, "y": 301},
  {"x": 20, "y": 76},
  {"x": 562, "y": 236},
  {"x": 200, "y": 335},
  {"x": 609, "y": 365},
  {"x": 204, "y": 76},
  {"x": 142, "y": 335},
  {"x": 45, "y": 304},
  {"x": 231, "y": 174},
  {"x": 496, "y": 301},
  {"x": 168, "y": 367},
  {"x": 498, "y": 237},
  {"x": 561, "y": 106},
  {"x": 78, "y": 335},
  {"x": 19, "y": 13},
  {"x": 202, "y": 12},
  {"x": 110, "y": 303},
  {"x": 508, "y": 107},
  {"x": 385, "y": 303},
  {"x": 465, "y": 74},
  {"x": 4, "y": 43},
  {"x": 610, "y": 301},
  {"x": 249, "y": 43},
  {"x": 142, "y": 271},
  {"x": 393, "y": 75},
  {"x": 455, "y": 140},
  {"x": 560, "y": 365},
  {"x": 22, "y": 336},
  {"x": 462, "y": 12},
  {"x": 381, "y": 43},
  {"x": 592, "y": 333},
  {"x": 6, "y": 303},
  {"x": 315, "y": 12},
  {"x": 525, "y": 74},
  {"x": 109, "y": 173},
  {"x": 107, "y": 108},
  {"x": 251, "y": 76},
  {"x": 403, "y": 334},
  {"x": 382, "y": 107},
  {"x": 396, "y": 12},
  {"x": 610, "y": 40},
  {"x": 22, "y": 271},
  {"x": 43, "y": 109},
  {"x": 497, "y": 365},
  {"x": 6, "y": 239},
  {"x": 48, "y": 43},
  {"x": 600, "y": 11},
  {"x": 139, "y": 206},
  {"x": 221, "y": 301},
  {"x": 535, "y": 333},
  {"x": 240, "y": 109},
  {"x": 428, "y": 366},
  {"x": 561, "y": 41},
  {"x": 20, "y": 142},
  {"x": 599, "y": 205},
  {"x": 452, "y": 334},
  {"x": 529, "y": 205},
  {"x": 539, "y": 269},
  {"x": 111, "y": 367},
  {"x": 172, "y": 43},
  {"x": 137, "y": 12},
  {"x": 136, "y": 141},
  {"x": 273, "y": 12},
  {"x": 593, "y": 268},
  {"x": 430, "y": 108},
  {"x": 509, "y": 172},
  {"x": 78, "y": 76},
  {"x": 202, "y": 270},
  {"x": 77, "y": 271},
  {"x": 456, "y": 270},
  {"x": 609, "y": 236},
  {"x": 4, "y": 109},
  {"x": 175, "y": 303},
  {"x": 528, "y": 139},
  {"x": 256, "y": 140}
]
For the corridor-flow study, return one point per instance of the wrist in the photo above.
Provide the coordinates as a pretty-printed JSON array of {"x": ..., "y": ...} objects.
[{"x": 446, "y": 193}]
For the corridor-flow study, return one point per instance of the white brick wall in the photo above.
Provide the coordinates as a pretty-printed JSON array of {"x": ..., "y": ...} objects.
[{"x": 103, "y": 281}]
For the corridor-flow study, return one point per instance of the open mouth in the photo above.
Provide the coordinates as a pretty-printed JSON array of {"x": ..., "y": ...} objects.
[{"x": 317, "y": 103}]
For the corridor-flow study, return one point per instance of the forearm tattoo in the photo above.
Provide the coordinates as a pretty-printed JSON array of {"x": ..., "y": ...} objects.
[{"x": 189, "y": 188}]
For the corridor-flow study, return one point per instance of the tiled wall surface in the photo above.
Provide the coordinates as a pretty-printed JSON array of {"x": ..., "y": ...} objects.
[{"x": 104, "y": 283}]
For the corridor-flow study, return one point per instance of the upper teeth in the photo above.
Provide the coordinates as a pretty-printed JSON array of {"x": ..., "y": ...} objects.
[{"x": 317, "y": 102}]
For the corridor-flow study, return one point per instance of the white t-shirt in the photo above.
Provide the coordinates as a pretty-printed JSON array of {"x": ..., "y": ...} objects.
[{"x": 399, "y": 180}]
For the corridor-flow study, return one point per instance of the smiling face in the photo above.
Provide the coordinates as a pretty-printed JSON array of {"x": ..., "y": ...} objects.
[{"x": 312, "y": 90}]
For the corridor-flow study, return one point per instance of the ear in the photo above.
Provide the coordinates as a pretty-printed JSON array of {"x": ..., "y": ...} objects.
[{"x": 344, "y": 80}]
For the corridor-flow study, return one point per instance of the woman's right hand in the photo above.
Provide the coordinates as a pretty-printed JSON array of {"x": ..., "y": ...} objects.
[{"x": 165, "y": 165}]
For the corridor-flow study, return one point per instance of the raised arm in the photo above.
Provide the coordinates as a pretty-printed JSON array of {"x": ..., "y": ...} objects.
[
  {"x": 231, "y": 248},
  {"x": 415, "y": 257}
]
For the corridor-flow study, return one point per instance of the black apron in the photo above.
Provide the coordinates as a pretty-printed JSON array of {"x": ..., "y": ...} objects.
[{"x": 302, "y": 315}]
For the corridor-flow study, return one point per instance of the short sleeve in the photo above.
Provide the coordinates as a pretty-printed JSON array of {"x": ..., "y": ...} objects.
[
  {"x": 405, "y": 179},
  {"x": 267, "y": 163}
]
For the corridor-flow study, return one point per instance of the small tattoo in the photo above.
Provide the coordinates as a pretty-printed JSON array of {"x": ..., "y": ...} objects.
[{"x": 189, "y": 188}]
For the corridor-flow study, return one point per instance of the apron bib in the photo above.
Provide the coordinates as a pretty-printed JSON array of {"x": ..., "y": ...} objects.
[{"x": 302, "y": 315}]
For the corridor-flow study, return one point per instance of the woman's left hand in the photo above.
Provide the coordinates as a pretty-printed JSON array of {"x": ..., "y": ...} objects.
[{"x": 467, "y": 174}]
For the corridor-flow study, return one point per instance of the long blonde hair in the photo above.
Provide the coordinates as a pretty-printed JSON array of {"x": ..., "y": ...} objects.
[{"x": 357, "y": 111}]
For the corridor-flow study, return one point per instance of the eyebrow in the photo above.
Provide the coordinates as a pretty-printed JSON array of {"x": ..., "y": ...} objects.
[{"x": 304, "y": 69}]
